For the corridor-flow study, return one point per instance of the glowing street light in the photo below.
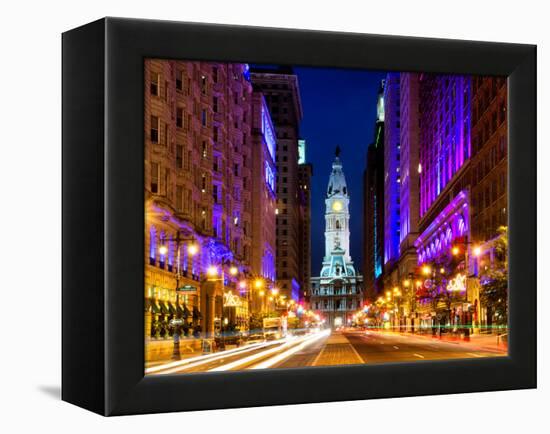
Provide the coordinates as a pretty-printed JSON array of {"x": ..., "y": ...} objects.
[
  {"x": 233, "y": 270},
  {"x": 426, "y": 270},
  {"x": 163, "y": 250},
  {"x": 192, "y": 249},
  {"x": 212, "y": 271},
  {"x": 455, "y": 250},
  {"x": 258, "y": 283},
  {"x": 406, "y": 283},
  {"x": 477, "y": 251},
  {"x": 242, "y": 284}
]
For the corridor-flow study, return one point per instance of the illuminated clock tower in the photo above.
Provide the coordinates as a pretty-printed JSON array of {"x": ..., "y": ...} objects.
[
  {"x": 337, "y": 211},
  {"x": 336, "y": 293}
]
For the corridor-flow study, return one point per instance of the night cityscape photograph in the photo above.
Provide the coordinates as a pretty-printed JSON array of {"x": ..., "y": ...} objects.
[{"x": 302, "y": 217}]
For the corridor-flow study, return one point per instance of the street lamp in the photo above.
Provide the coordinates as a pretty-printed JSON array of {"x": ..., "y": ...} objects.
[
  {"x": 192, "y": 250},
  {"x": 212, "y": 271}
]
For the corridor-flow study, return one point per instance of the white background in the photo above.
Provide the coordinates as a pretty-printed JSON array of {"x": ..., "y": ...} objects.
[{"x": 30, "y": 213}]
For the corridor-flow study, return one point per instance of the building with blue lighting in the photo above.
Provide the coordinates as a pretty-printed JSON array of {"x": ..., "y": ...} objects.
[
  {"x": 280, "y": 87},
  {"x": 392, "y": 176},
  {"x": 373, "y": 207}
]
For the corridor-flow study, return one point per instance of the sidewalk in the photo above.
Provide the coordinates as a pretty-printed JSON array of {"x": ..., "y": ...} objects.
[
  {"x": 158, "y": 351},
  {"x": 477, "y": 341}
]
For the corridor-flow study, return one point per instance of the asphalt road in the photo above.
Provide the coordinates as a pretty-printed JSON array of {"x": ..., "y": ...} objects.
[
  {"x": 380, "y": 347},
  {"x": 330, "y": 349}
]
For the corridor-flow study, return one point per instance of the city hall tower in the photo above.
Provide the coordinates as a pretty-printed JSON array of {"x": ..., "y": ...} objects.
[{"x": 336, "y": 293}]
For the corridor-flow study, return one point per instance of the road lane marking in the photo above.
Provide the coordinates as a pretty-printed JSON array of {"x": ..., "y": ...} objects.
[
  {"x": 396, "y": 347},
  {"x": 318, "y": 356},
  {"x": 418, "y": 355},
  {"x": 357, "y": 354}
]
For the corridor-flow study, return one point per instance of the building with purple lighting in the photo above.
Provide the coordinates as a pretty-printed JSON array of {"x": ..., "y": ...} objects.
[
  {"x": 445, "y": 130},
  {"x": 409, "y": 170}
]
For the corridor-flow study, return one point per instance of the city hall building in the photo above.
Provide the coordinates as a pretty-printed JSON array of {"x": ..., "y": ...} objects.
[{"x": 336, "y": 293}]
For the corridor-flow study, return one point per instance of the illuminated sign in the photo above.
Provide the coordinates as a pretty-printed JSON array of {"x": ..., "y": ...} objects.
[
  {"x": 231, "y": 300},
  {"x": 269, "y": 177},
  {"x": 187, "y": 288},
  {"x": 268, "y": 133},
  {"x": 457, "y": 284},
  {"x": 301, "y": 151},
  {"x": 246, "y": 72}
]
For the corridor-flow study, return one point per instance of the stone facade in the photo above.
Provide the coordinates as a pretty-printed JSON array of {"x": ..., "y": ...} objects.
[{"x": 204, "y": 151}]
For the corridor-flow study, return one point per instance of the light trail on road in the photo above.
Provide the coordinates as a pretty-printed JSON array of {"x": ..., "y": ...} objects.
[
  {"x": 174, "y": 367},
  {"x": 280, "y": 357},
  {"x": 252, "y": 358}
]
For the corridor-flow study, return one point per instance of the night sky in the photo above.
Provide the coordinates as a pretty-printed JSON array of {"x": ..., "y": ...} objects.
[{"x": 339, "y": 108}]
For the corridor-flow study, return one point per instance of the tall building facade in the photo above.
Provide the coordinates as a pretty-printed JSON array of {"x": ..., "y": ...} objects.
[
  {"x": 392, "y": 177},
  {"x": 373, "y": 207},
  {"x": 305, "y": 172},
  {"x": 264, "y": 196},
  {"x": 445, "y": 185},
  {"x": 409, "y": 170},
  {"x": 281, "y": 91},
  {"x": 445, "y": 150},
  {"x": 489, "y": 165},
  {"x": 336, "y": 293},
  {"x": 209, "y": 168}
]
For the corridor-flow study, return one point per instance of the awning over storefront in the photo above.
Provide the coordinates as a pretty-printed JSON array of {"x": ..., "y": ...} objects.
[
  {"x": 186, "y": 312},
  {"x": 164, "y": 308},
  {"x": 196, "y": 313},
  {"x": 171, "y": 308},
  {"x": 183, "y": 311},
  {"x": 155, "y": 307},
  {"x": 148, "y": 305}
]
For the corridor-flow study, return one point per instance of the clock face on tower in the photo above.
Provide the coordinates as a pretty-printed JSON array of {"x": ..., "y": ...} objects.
[{"x": 337, "y": 206}]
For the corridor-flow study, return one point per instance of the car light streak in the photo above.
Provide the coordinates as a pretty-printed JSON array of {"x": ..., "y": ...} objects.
[
  {"x": 279, "y": 357},
  {"x": 247, "y": 360},
  {"x": 172, "y": 367}
]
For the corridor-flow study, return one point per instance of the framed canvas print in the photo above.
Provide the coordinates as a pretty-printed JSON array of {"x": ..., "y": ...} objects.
[{"x": 258, "y": 216}]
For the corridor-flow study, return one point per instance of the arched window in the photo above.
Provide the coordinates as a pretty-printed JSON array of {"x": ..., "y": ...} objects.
[
  {"x": 152, "y": 245},
  {"x": 449, "y": 235},
  {"x": 461, "y": 226}
]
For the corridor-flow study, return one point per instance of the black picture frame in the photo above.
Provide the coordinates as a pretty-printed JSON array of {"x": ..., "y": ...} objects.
[{"x": 103, "y": 216}]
